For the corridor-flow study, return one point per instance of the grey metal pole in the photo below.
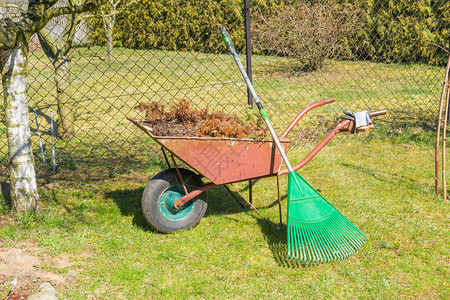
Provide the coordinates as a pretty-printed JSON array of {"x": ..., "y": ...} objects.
[{"x": 248, "y": 48}]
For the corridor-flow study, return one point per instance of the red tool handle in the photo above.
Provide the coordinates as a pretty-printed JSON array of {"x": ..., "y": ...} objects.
[
  {"x": 376, "y": 113},
  {"x": 302, "y": 113}
]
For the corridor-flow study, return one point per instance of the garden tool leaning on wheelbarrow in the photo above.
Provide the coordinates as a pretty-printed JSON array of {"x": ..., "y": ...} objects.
[
  {"x": 317, "y": 232},
  {"x": 175, "y": 198}
]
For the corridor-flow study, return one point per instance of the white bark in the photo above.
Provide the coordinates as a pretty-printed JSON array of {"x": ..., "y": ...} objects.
[{"x": 24, "y": 195}]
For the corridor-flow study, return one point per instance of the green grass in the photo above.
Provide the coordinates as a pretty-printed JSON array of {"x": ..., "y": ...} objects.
[
  {"x": 104, "y": 94},
  {"x": 384, "y": 186}
]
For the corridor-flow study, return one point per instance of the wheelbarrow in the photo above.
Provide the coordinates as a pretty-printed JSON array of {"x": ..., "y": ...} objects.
[{"x": 175, "y": 198}]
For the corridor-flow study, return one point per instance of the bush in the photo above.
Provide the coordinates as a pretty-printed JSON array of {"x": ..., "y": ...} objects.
[
  {"x": 306, "y": 32},
  {"x": 403, "y": 31}
]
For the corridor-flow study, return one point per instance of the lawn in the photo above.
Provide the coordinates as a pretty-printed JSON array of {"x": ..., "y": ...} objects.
[
  {"x": 104, "y": 94},
  {"x": 383, "y": 184},
  {"x": 91, "y": 233}
]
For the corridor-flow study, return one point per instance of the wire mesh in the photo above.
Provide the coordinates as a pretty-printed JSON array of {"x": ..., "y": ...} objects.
[{"x": 100, "y": 87}]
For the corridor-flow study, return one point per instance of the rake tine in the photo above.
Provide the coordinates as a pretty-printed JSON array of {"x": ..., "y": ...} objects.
[
  {"x": 344, "y": 235},
  {"x": 300, "y": 247},
  {"x": 340, "y": 252},
  {"x": 289, "y": 233},
  {"x": 342, "y": 245},
  {"x": 335, "y": 240},
  {"x": 294, "y": 233},
  {"x": 316, "y": 246},
  {"x": 311, "y": 246},
  {"x": 325, "y": 245},
  {"x": 353, "y": 234},
  {"x": 331, "y": 244},
  {"x": 320, "y": 245}
]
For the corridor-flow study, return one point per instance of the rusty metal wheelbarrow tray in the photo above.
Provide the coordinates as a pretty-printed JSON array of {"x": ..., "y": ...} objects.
[{"x": 223, "y": 160}]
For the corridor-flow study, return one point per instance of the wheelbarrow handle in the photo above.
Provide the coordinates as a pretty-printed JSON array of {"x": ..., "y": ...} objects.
[
  {"x": 376, "y": 113},
  {"x": 341, "y": 127},
  {"x": 302, "y": 113}
]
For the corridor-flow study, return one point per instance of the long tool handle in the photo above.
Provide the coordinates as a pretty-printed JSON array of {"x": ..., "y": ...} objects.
[
  {"x": 39, "y": 135},
  {"x": 227, "y": 39}
]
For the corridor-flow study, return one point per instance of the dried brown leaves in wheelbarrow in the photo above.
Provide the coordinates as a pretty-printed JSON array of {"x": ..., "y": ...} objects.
[{"x": 183, "y": 120}]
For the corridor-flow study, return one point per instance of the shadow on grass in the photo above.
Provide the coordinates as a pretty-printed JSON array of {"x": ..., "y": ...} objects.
[
  {"x": 223, "y": 203},
  {"x": 94, "y": 167},
  {"x": 6, "y": 194},
  {"x": 129, "y": 203},
  {"x": 277, "y": 242},
  {"x": 276, "y": 239},
  {"x": 389, "y": 178},
  {"x": 406, "y": 127}
]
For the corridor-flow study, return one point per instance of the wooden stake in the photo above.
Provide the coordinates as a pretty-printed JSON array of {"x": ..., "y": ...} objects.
[
  {"x": 441, "y": 107},
  {"x": 444, "y": 144}
]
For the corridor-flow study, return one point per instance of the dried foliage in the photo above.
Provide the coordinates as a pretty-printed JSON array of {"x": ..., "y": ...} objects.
[
  {"x": 183, "y": 120},
  {"x": 307, "y": 32}
]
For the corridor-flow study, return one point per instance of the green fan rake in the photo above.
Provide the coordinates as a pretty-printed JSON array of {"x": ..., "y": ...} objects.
[{"x": 317, "y": 232}]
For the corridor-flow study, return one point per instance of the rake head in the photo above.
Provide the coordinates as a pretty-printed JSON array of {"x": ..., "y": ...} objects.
[{"x": 317, "y": 232}]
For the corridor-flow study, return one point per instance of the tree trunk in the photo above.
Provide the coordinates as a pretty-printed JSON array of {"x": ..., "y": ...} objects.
[
  {"x": 109, "y": 36},
  {"x": 64, "y": 94},
  {"x": 24, "y": 194}
]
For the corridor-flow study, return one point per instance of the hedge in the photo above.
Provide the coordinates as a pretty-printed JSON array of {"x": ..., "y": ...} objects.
[
  {"x": 403, "y": 31},
  {"x": 392, "y": 31},
  {"x": 190, "y": 25}
]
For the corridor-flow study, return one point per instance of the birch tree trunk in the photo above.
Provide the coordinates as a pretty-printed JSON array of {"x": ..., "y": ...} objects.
[
  {"x": 109, "y": 21},
  {"x": 64, "y": 96},
  {"x": 24, "y": 194}
]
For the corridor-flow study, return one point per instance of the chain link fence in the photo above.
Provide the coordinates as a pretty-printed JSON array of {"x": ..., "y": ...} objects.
[{"x": 91, "y": 79}]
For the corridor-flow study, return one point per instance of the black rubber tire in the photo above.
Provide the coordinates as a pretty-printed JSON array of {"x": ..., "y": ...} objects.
[{"x": 155, "y": 189}]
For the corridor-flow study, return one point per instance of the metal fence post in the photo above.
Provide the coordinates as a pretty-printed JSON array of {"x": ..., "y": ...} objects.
[{"x": 248, "y": 47}]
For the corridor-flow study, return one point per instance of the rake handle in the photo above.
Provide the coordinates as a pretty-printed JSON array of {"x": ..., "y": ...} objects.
[{"x": 227, "y": 39}]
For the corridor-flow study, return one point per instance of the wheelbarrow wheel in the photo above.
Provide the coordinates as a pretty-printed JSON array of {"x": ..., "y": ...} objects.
[{"x": 161, "y": 193}]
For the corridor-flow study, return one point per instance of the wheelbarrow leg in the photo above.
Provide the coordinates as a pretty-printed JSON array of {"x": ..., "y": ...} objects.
[
  {"x": 179, "y": 176},
  {"x": 165, "y": 157},
  {"x": 252, "y": 206},
  {"x": 250, "y": 191},
  {"x": 279, "y": 202},
  {"x": 235, "y": 198}
]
